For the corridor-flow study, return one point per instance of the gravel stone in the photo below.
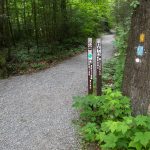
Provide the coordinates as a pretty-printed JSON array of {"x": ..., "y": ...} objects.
[{"x": 36, "y": 110}]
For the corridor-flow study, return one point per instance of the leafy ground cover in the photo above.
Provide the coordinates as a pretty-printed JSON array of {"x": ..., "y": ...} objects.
[{"x": 31, "y": 62}]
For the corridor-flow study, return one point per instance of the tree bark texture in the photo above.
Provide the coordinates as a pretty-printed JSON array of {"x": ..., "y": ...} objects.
[{"x": 136, "y": 83}]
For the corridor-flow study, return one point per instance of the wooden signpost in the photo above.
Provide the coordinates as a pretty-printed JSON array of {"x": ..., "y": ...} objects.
[
  {"x": 99, "y": 67},
  {"x": 90, "y": 66}
]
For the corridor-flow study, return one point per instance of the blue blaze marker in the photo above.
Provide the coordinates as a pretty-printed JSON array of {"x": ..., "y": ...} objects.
[{"x": 140, "y": 51}]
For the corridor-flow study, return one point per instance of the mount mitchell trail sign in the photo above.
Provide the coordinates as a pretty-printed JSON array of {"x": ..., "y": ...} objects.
[
  {"x": 90, "y": 66},
  {"x": 98, "y": 66}
]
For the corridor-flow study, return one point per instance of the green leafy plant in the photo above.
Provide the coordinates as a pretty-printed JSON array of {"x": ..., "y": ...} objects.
[
  {"x": 113, "y": 72},
  {"x": 90, "y": 130},
  {"x": 131, "y": 132},
  {"x": 111, "y": 105},
  {"x": 134, "y": 4},
  {"x": 38, "y": 66},
  {"x": 3, "y": 70},
  {"x": 107, "y": 120}
]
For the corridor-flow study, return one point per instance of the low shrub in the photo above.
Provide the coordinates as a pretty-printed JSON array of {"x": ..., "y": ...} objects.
[
  {"x": 129, "y": 133},
  {"x": 111, "y": 105},
  {"x": 107, "y": 121}
]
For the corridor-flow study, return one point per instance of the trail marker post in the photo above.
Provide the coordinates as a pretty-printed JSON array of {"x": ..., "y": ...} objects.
[
  {"x": 99, "y": 67},
  {"x": 90, "y": 66}
]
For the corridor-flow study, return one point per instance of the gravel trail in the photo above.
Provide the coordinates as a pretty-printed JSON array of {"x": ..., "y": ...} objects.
[{"x": 36, "y": 110}]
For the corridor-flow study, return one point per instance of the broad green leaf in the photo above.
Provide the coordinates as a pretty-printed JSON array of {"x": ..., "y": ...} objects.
[
  {"x": 100, "y": 136},
  {"x": 128, "y": 120},
  {"x": 141, "y": 120},
  {"x": 123, "y": 127},
  {"x": 137, "y": 145},
  {"x": 142, "y": 137},
  {"x": 110, "y": 140}
]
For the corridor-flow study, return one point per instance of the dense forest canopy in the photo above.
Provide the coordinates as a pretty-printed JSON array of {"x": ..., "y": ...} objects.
[{"x": 29, "y": 29}]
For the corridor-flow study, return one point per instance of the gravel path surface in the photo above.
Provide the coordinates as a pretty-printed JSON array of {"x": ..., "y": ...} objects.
[{"x": 35, "y": 110}]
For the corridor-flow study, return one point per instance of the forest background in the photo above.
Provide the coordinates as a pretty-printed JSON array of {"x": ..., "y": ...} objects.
[{"x": 36, "y": 33}]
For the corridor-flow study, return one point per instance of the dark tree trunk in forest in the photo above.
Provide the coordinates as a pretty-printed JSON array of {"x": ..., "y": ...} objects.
[
  {"x": 1, "y": 23},
  {"x": 54, "y": 19},
  {"x": 35, "y": 22},
  {"x": 64, "y": 32},
  {"x": 10, "y": 25},
  {"x": 17, "y": 16},
  {"x": 136, "y": 82}
]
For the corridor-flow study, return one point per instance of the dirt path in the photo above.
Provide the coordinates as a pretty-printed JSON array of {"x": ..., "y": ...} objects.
[{"x": 35, "y": 110}]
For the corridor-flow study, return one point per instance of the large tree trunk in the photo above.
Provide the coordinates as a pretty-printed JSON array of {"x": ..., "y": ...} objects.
[{"x": 136, "y": 82}]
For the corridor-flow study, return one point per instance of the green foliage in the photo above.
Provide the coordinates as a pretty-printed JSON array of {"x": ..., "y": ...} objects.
[
  {"x": 135, "y": 3},
  {"x": 113, "y": 72},
  {"x": 107, "y": 120},
  {"x": 90, "y": 130},
  {"x": 113, "y": 69},
  {"x": 118, "y": 77},
  {"x": 50, "y": 31},
  {"x": 110, "y": 105},
  {"x": 33, "y": 60},
  {"x": 121, "y": 39},
  {"x": 2, "y": 59},
  {"x": 131, "y": 132},
  {"x": 3, "y": 67},
  {"x": 89, "y": 18},
  {"x": 121, "y": 11},
  {"x": 23, "y": 66},
  {"x": 38, "y": 66},
  {"x": 108, "y": 72},
  {"x": 121, "y": 45}
]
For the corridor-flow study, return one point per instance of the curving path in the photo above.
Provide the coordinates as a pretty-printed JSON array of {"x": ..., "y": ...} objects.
[{"x": 36, "y": 110}]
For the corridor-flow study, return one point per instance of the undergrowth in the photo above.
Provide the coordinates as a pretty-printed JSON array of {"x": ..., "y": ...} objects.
[
  {"x": 106, "y": 120},
  {"x": 26, "y": 62}
]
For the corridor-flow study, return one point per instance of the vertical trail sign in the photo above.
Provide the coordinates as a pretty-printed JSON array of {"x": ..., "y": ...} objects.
[
  {"x": 90, "y": 66},
  {"x": 99, "y": 67}
]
